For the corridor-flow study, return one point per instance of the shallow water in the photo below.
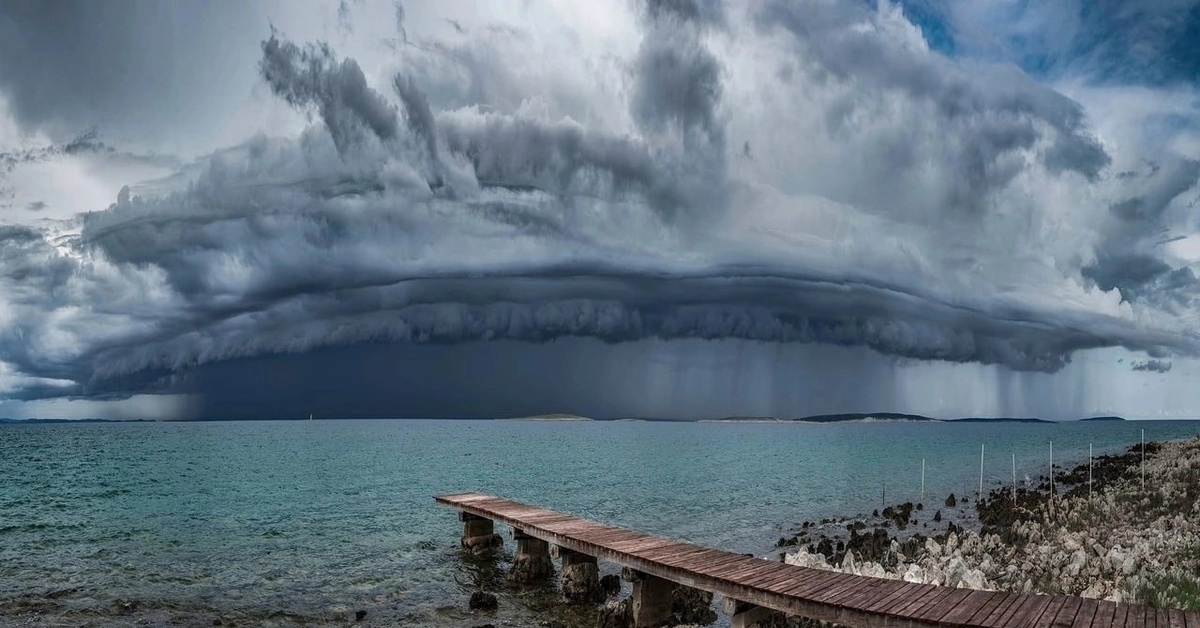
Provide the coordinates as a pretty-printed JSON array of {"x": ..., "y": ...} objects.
[{"x": 280, "y": 523}]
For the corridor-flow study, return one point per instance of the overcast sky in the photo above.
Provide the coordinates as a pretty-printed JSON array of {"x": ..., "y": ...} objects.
[{"x": 681, "y": 208}]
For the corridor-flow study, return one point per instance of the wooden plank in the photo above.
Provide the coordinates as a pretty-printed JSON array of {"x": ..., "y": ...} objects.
[
  {"x": 1055, "y": 605},
  {"x": 884, "y": 589},
  {"x": 1104, "y": 615},
  {"x": 912, "y": 606},
  {"x": 1087, "y": 612},
  {"x": 992, "y": 620},
  {"x": 781, "y": 580},
  {"x": 1176, "y": 617},
  {"x": 1020, "y": 609},
  {"x": 695, "y": 560},
  {"x": 966, "y": 608},
  {"x": 934, "y": 612},
  {"x": 654, "y": 552},
  {"x": 1136, "y": 617},
  {"x": 816, "y": 587},
  {"x": 992, "y": 603},
  {"x": 1065, "y": 617},
  {"x": 631, "y": 544},
  {"x": 1151, "y": 618},
  {"x": 1123, "y": 618},
  {"x": 727, "y": 568},
  {"x": 1029, "y": 611},
  {"x": 862, "y": 595},
  {"x": 731, "y": 569},
  {"x": 902, "y": 594},
  {"x": 835, "y": 593}
]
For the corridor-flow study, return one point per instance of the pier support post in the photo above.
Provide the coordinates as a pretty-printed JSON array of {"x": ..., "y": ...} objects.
[
  {"x": 651, "y": 598},
  {"x": 531, "y": 563},
  {"x": 746, "y": 615},
  {"x": 580, "y": 577},
  {"x": 478, "y": 534}
]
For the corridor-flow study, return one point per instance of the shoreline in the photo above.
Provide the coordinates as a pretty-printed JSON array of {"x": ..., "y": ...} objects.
[{"x": 1122, "y": 544}]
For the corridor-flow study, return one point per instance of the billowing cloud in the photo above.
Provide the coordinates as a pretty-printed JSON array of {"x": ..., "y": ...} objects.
[
  {"x": 1152, "y": 366},
  {"x": 897, "y": 201}
]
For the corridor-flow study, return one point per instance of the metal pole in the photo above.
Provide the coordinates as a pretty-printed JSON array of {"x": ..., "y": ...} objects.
[
  {"x": 1089, "y": 471},
  {"x": 1143, "y": 460},
  {"x": 1014, "y": 477},
  {"x": 981, "y": 470},
  {"x": 922, "y": 480},
  {"x": 1051, "y": 473}
]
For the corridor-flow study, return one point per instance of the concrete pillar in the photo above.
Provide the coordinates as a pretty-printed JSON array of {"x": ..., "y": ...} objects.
[
  {"x": 531, "y": 563},
  {"x": 651, "y": 598},
  {"x": 745, "y": 615},
  {"x": 580, "y": 577},
  {"x": 478, "y": 534}
]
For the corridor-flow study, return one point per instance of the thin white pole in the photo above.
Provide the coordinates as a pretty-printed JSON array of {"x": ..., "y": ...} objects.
[
  {"x": 1052, "y": 473},
  {"x": 1089, "y": 471},
  {"x": 922, "y": 480},
  {"x": 1143, "y": 460},
  {"x": 981, "y": 470},
  {"x": 1014, "y": 477}
]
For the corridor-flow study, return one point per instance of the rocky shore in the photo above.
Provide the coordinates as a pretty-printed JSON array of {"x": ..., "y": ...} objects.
[{"x": 1122, "y": 543}]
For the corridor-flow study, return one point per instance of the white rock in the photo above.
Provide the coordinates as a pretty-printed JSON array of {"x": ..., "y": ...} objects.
[
  {"x": 1078, "y": 560},
  {"x": 914, "y": 573}
]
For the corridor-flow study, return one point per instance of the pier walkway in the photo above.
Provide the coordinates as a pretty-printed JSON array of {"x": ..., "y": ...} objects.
[{"x": 754, "y": 588}]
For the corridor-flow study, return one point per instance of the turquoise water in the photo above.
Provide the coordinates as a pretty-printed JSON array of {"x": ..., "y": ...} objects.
[{"x": 305, "y": 522}]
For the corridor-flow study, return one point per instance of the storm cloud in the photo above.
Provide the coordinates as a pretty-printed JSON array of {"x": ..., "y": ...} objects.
[{"x": 900, "y": 202}]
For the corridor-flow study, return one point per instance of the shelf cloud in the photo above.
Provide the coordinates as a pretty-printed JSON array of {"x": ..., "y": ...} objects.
[{"x": 799, "y": 173}]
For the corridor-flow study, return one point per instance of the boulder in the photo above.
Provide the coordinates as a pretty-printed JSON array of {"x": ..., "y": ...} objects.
[{"x": 616, "y": 614}]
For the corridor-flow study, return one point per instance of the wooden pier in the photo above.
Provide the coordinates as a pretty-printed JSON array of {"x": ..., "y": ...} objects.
[{"x": 754, "y": 588}]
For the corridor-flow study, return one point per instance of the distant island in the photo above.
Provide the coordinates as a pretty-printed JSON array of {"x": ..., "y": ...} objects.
[
  {"x": 554, "y": 416},
  {"x": 1001, "y": 420},
  {"x": 865, "y": 417},
  {"x": 862, "y": 417},
  {"x": 883, "y": 417}
]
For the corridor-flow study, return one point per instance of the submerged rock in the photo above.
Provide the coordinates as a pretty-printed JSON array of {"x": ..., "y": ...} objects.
[
  {"x": 692, "y": 606},
  {"x": 616, "y": 614},
  {"x": 610, "y": 584},
  {"x": 483, "y": 601},
  {"x": 581, "y": 584}
]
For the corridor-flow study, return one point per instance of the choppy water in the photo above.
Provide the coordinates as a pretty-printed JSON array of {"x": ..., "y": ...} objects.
[{"x": 264, "y": 523}]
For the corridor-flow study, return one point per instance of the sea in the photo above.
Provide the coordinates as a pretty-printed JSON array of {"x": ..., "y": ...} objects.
[{"x": 283, "y": 523}]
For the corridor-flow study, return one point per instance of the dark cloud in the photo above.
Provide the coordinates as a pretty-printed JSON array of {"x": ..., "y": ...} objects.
[
  {"x": 312, "y": 76},
  {"x": 677, "y": 91},
  {"x": 36, "y": 206},
  {"x": 1152, "y": 366},
  {"x": 701, "y": 12},
  {"x": 1131, "y": 258},
  {"x": 84, "y": 145}
]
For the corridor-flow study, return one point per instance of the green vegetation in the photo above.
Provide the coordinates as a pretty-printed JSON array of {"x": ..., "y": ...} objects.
[{"x": 1175, "y": 590}]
